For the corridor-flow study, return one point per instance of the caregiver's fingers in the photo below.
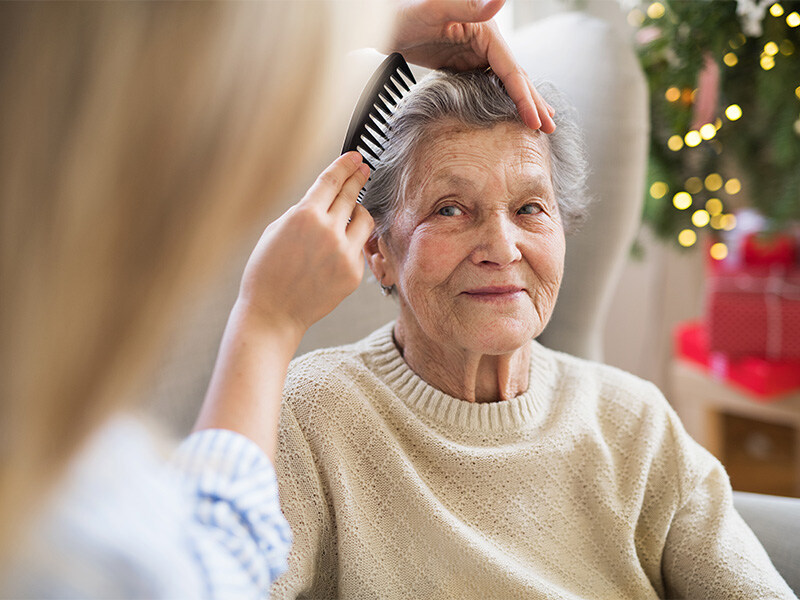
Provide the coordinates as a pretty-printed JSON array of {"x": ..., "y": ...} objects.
[
  {"x": 546, "y": 112},
  {"x": 462, "y": 12},
  {"x": 531, "y": 106},
  {"x": 330, "y": 182},
  {"x": 360, "y": 227},
  {"x": 344, "y": 202}
]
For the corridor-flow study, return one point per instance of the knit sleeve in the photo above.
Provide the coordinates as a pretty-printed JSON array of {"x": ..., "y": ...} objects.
[
  {"x": 239, "y": 535},
  {"x": 710, "y": 552},
  {"x": 311, "y": 572}
]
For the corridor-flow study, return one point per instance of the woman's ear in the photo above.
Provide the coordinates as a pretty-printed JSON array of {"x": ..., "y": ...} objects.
[{"x": 379, "y": 260}]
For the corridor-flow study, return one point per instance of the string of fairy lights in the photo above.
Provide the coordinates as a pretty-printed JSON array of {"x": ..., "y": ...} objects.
[{"x": 714, "y": 212}]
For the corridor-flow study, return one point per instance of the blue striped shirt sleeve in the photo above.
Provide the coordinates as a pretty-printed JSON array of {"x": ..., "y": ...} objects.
[{"x": 239, "y": 534}]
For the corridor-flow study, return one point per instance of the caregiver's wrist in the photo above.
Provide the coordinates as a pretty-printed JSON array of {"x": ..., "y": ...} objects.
[{"x": 269, "y": 326}]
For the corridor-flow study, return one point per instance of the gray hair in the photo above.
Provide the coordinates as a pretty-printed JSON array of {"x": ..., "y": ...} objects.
[{"x": 478, "y": 100}]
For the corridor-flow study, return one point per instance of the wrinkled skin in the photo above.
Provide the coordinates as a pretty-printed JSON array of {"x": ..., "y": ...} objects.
[{"x": 477, "y": 255}]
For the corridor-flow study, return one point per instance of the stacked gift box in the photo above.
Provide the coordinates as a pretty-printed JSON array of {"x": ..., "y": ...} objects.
[{"x": 750, "y": 336}]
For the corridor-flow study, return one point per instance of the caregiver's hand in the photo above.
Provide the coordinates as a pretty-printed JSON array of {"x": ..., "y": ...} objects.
[
  {"x": 305, "y": 263},
  {"x": 462, "y": 35},
  {"x": 309, "y": 260}
]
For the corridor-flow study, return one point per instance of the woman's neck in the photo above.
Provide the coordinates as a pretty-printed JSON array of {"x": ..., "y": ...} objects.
[{"x": 461, "y": 373}]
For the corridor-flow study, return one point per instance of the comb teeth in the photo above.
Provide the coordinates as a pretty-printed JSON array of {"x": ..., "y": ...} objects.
[{"x": 369, "y": 125}]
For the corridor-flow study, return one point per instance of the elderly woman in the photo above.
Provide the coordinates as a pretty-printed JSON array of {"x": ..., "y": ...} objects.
[{"x": 448, "y": 454}]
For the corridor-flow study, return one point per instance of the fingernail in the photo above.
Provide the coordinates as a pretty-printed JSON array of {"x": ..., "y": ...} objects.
[{"x": 355, "y": 157}]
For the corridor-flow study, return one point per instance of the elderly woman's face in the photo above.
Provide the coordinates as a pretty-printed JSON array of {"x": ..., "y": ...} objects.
[{"x": 477, "y": 250}]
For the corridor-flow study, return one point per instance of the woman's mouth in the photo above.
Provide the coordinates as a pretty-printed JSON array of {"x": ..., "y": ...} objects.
[{"x": 494, "y": 293}]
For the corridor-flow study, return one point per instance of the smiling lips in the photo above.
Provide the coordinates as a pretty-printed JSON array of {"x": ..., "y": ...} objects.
[{"x": 495, "y": 292}]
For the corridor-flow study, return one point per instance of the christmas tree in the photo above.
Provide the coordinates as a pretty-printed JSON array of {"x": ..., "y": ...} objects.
[{"x": 724, "y": 79}]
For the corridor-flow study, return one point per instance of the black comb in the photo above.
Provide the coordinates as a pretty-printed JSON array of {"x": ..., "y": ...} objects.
[{"x": 368, "y": 125}]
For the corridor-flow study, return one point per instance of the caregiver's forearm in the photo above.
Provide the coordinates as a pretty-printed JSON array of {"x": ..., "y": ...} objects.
[{"x": 247, "y": 384}]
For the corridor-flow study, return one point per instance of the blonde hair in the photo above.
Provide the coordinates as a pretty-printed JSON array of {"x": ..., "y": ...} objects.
[{"x": 139, "y": 140}]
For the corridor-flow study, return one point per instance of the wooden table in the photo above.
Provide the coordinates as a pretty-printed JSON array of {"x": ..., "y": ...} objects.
[{"x": 758, "y": 442}]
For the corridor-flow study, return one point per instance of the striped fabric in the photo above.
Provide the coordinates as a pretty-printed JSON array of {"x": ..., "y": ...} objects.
[
  {"x": 124, "y": 524},
  {"x": 238, "y": 532}
]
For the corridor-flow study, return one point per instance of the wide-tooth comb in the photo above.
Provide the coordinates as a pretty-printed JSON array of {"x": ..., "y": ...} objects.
[{"x": 368, "y": 125}]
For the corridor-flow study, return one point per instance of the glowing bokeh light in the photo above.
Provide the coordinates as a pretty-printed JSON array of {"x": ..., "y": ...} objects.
[
  {"x": 687, "y": 238},
  {"x": 635, "y": 18},
  {"x": 655, "y": 10},
  {"x": 675, "y": 143},
  {"x": 713, "y": 182},
  {"x": 793, "y": 19},
  {"x": 718, "y": 251},
  {"x": 693, "y": 185},
  {"x": 682, "y": 200},
  {"x": 708, "y": 131},
  {"x": 693, "y": 138},
  {"x": 714, "y": 207},
  {"x": 730, "y": 59},
  {"x": 659, "y": 189},
  {"x": 733, "y": 112},
  {"x": 700, "y": 218},
  {"x": 733, "y": 186},
  {"x": 728, "y": 222},
  {"x": 672, "y": 94},
  {"x": 767, "y": 62},
  {"x": 771, "y": 48},
  {"x": 776, "y": 10}
]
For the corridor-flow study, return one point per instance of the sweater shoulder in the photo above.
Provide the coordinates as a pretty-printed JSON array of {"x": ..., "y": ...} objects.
[{"x": 610, "y": 387}]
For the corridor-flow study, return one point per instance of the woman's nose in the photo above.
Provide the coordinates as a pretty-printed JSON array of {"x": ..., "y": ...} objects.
[{"x": 497, "y": 242}]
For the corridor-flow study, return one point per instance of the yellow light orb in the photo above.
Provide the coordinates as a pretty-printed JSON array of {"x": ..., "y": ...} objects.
[
  {"x": 776, "y": 10},
  {"x": 714, "y": 207},
  {"x": 767, "y": 62},
  {"x": 655, "y": 10},
  {"x": 793, "y": 19},
  {"x": 771, "y": 48},
  {"x": 797, "y": 92},
  {"x": 693, "y": 185},
  {"x": 728, "y": 222},
  {"x": 716, "y": 221},
  {"x": 672, "y": 94},
  {"x": 708, "y": 131},
  {"x": 730, "y": 59},
  {"x": 687, "y": 238},
  {"x": 718, "y": 251},
  {"x": 700, "y": 218},
  {"x": 733, "y": 112},
  {"x": 693, "y": 138},
  {"x": 713, "y": 182},
  {"x": 787, "y": 48},
  {"x": 675, "y": 143},
  {"x": 733, "y": 186},
  {"x": 797, "y": 127},
  {"x": 718, "y": 124},
  {"x": 659, "y": 189},
  {"x": 635, "y": 18},
  {"x": 682, "y": 200}
]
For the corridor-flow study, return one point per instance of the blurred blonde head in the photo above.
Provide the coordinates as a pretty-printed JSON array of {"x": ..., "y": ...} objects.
[{"x": 139, "y": 140}]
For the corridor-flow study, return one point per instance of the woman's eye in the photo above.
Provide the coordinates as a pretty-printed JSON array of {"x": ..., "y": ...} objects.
[
  {"x": 450, "y": 211},
  {"x": 530, "y": 209}
]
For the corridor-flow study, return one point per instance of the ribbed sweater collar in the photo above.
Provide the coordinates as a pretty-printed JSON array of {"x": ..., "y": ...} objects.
[{"x": 384, "y": 359}]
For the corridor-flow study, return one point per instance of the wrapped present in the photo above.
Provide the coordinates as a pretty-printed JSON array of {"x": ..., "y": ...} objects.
[
  {"x": 754, "y": 311},
  {"x": 768, "y": 250},
  {"x": 764, "y": 380}
]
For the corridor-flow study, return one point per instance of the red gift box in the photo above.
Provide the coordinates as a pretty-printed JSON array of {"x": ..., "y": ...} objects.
[
  {"x": 761, "y": 249},
  {"x": 765, "y": 380},
  {"x": 752, "y": 311}
]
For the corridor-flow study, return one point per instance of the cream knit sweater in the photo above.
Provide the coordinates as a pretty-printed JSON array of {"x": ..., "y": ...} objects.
[{"x": 585, "y": 486}]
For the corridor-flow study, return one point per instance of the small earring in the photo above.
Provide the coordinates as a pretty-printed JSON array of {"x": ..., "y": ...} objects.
[{"x": 386, "y": 290}]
